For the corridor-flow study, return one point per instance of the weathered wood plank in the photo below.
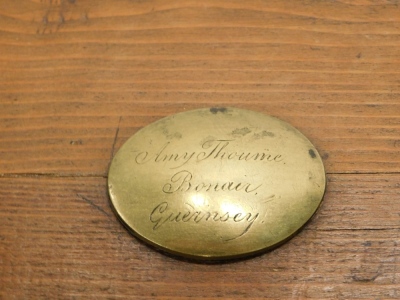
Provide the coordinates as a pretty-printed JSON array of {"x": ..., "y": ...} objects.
[
  {"x": 72, "y": 71},
  {"x": 60, "y": 238}
]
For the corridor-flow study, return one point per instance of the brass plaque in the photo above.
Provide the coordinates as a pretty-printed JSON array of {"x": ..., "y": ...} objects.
[{"x": 216, "y": 183}]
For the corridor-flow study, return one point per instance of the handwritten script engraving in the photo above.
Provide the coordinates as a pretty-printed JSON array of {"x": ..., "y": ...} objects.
[
  {"x": 211, "y": 149},
  {"x": 162, "y": 214},
  {"x": 182, "y": 182},
  {"x": 219, "y": 183}
]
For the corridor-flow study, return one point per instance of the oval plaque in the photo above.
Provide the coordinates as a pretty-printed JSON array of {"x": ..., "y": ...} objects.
[{"x": 216, "y": 183}]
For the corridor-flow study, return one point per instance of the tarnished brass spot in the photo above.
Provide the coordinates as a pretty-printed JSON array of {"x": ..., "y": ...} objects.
[{"x": 216, "y": 183}]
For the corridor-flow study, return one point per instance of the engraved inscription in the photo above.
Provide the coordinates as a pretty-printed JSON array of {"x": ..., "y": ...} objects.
[
  {"x": 211, "y": 149},
  {"x": 216, "y": 183},
  {"x": 162, "y": 214},
  {"x": 182, "y": 182}
]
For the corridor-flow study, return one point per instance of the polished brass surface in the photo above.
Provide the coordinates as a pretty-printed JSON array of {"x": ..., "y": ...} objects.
[{"x": 216, "y": 183}]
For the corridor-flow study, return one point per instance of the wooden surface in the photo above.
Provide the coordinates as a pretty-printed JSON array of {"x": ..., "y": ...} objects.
[{"x": 79, "y": 77}]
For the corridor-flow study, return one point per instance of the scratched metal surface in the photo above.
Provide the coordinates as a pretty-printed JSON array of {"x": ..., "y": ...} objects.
[{"x": 216, "y": 183}]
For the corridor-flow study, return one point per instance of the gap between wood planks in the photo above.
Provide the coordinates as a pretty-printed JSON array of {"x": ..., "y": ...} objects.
[{"x": 100, "y": 175}]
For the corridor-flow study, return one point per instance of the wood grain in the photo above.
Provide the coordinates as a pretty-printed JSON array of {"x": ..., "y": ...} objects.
[
  {"x": 73, "y": 71},
  {"x": 60, "y": 238},
  {"x": 79, "y": 77}
]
